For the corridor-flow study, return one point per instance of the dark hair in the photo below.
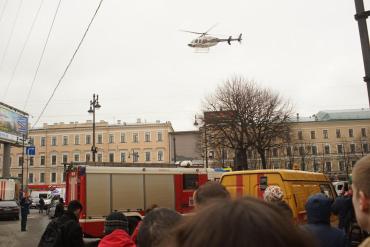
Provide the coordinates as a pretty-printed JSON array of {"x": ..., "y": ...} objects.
[
  {"x": 61, "y": 200},
  {"x": 283, "y": 208},
  {"x": 74, "y": 205},
  {"x": 156, "y": 227},
  {"x": 243, "y": 222},
  {"x": 210, "y": 191}
]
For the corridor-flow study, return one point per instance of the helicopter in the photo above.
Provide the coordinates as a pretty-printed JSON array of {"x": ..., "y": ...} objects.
[{"x": 206, "y": 41}]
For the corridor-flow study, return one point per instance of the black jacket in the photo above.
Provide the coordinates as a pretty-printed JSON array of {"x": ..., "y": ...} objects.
[
  {"x": 59, "y": 210},
  {"x": 71, "y": 230},
  {"x": 343, "y": 207}
]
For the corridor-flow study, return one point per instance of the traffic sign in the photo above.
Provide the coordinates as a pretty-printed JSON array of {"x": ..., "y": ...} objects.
[{"x": 30, "y": 151}]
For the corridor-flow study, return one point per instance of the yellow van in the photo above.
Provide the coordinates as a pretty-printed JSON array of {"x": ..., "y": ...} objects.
[{"x": 297, "y": 186}]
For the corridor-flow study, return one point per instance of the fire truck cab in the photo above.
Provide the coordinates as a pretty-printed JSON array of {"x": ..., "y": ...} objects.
[{"x": 130, "y": 190}]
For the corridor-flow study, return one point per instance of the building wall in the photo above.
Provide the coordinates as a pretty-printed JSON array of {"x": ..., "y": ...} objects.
[{"x": 71, "y": 142}]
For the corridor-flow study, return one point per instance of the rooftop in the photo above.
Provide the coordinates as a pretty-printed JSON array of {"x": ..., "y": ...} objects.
[{"x": 335, "y": 115}]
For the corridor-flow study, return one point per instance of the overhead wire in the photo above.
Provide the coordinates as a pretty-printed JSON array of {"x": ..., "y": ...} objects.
[
  {"x": 42, "y": 55},
  {"x": 2, "y": 11},
  {"x": 68, "y": 65},
  {"x": 22, "y": 50},
  {"x": 11, "y": 34}
]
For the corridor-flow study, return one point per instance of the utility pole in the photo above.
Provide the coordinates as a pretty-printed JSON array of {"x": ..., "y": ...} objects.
[{"x": 361, "y": 16}]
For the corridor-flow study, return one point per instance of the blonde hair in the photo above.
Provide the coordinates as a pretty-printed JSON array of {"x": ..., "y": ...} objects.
[{"x": 361, "y": 175}]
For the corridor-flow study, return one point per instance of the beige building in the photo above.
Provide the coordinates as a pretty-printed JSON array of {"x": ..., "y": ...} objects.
[
  {"x": 330, "y": 141},
  {"x": 62, "y": 143}
]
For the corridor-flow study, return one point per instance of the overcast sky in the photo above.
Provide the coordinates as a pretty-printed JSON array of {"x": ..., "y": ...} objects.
[{"x": 138, "y": 61}]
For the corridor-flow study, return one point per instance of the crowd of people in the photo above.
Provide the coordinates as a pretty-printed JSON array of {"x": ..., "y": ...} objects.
[{"x": 218, "y": 220}]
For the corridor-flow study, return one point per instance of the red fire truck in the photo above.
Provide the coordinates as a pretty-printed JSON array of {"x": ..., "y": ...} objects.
[{"x": 131, "y": 190}]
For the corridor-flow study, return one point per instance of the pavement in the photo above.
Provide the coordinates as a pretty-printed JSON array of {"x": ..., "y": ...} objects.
[{"x": 11, "y": 235}]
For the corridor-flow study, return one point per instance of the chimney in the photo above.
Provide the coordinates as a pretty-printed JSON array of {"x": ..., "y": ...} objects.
[
  {"x": 45, "y": 125},
  {"x": 138, "y": 120},
  {"x": 158, "y": 121},
  {"x": 297, "y": 117},
  {"x": 118, "y": 121}
]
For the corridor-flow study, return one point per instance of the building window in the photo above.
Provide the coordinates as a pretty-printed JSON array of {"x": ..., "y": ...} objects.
[
  {"x": 123, "y": 157},
  {"x": 53, "y": 140},
  {"x": 20, "y": 161},
  {"x": 325, "y": 134},
  {"x": 313, "y": 134},
  {"x": 350, "y": 132},
  {"x": 111, "y": 138},
  {"x": 88, "y": 139},
  {"x": 353, "y": 163},
  {"x": 87, "y": 157},
  {"x": 42, "y": 160},
  {"x": 77, "y": 140},
  {"x": 327, "y": 149},
  {"x": 314, "y": 150},
  {"x": 32, "y": 140},
  {"x": 352, "y": 148},
  {"x": 53, "y": 178},
  {"x": 30, "y": 178},
  {"x": 147, "y": 156},
  {"x": 42, "y": 177},
  {"x": 289, "y": 151},
  {"x": 315, "y": 166},
  {"x": 100, "y": 157},
  {"x": 159, "y": 136},
  {"x": 135, "y": 137},
  {"x": 65, "y": 140},
  {"x": 76, "y": 157},
  {"x": 211, "y": 154},
  {"x": 43, "y": 141},
  {"x": 363, "y": 132},
  {"x": 301, "y": 151},
  {"x": 328, "y": 166},
  {"x": 63, "y": 177},
  {"x": 136, "y": 157},
  {"x": 53, "y": 159},
  {"x": 147, "y": 136},
  {"x": 20, "y": 176},
  {"x": 65, "y": 158},
  {"x": 365, "y": 148},
  {"x": 340, "y": 148},
  {"x": 160, "y": 155},
  {"x": 123, "y": 138},
  {"x": 100, "y": 139},
  {"x": 341, "y": 165},
  {"x": 111, "y": 157},
  {"x": 337, "y": 132},
  {"x": 32, "y": 161},
  {"x": 300, "y": 135},
  {"x": 274, "y": 152}
]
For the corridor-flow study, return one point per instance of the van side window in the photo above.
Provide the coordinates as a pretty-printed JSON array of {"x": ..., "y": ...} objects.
[
  {"x": 325, "y": 189},
  {"x": 190, "y": 181}
]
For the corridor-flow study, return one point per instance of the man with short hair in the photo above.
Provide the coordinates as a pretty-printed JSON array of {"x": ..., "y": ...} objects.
[
  {"x": 116, "y": 231},
  {"x": 65, "y": 230},
  {"x": 210, "y": 192},
  {"x": 361, "y": 195}
]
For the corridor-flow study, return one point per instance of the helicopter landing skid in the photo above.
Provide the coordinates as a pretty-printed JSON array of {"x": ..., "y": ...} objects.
[{"x": 201, "y": 50}]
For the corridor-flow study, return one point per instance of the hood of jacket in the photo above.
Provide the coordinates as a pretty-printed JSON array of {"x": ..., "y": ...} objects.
[
  {"x": 118, "y": 238},
  {"x": 318, "y": 208}
]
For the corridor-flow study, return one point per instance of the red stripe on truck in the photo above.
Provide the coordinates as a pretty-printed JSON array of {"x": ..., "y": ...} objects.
[{"x": 239, "y": 185}]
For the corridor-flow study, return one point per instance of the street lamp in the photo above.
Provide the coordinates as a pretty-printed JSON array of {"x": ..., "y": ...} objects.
[
  {"x": 205, "y": 137},
  {"x": 94, "y": 104},
  {"x": 134, "y": 155}
]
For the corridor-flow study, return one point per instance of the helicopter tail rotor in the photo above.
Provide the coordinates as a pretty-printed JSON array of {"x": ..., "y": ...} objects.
[
  {"x": 240, "y": 38},
  {"x": 229, "y": 40}
]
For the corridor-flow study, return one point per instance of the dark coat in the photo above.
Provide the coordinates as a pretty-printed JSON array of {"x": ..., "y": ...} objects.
[
  {"x": 343, "y": 207},
  {"x": 71, "y": 231},
  {"x": 59, "y": 210},
  {"x": 25, "y": 206},
  {"x": 318, "y": 208},
  {"x": 42, "y": 202}
]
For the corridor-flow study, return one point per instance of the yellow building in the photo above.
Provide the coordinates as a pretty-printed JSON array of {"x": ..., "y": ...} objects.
[{"x": 62, "y": 143}]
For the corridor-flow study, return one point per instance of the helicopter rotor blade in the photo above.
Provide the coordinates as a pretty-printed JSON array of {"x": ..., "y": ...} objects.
[
  {"x": 210, "y": 28},
  {"x": 186, "y": 31}
]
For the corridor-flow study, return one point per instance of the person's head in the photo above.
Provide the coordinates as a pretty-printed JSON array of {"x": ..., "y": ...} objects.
[
  {"x": 61, "y": 200},
  {"x": 242, "y": 222},
  {"x": 153, "y": 206},
  {"x": 114, "y": 221},
  {"x": 273, "y": 193},
  {"x": 361, "y": 191},
  {"x": 75, "y": 207},
  {"x": 318, "y": 208},
  {"x": 210, "y": 192},
  {"x": 157, "y": 227}
]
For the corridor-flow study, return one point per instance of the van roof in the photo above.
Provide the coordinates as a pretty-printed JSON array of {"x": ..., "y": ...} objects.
[{"x": 285, "y": 174}]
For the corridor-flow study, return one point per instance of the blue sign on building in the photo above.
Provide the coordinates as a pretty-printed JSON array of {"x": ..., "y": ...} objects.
[{"x": 30, "y": 151}]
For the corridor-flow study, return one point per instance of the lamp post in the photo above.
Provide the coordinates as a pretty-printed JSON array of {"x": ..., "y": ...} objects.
[
  {"x": 94, "y": 104},
  {"x": 205, "y": 137}
]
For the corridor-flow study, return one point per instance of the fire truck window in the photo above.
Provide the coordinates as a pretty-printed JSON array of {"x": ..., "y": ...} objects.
[{"x": 190, "y": 181}]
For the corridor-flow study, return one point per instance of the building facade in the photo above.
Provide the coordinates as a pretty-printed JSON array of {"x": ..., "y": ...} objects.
[{"x": 63, "y": 143}]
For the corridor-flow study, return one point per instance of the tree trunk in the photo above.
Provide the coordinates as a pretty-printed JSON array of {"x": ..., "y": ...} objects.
[
  {"x": 241, "y": 160},
  {"x": 263, "y": 158}
]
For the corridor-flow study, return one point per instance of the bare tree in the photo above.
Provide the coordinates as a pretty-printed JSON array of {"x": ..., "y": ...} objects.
[{"x": 256, "y": 119}]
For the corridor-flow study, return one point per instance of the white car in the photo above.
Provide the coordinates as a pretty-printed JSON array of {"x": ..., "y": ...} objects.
[{"x": 338, "y": 186}]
